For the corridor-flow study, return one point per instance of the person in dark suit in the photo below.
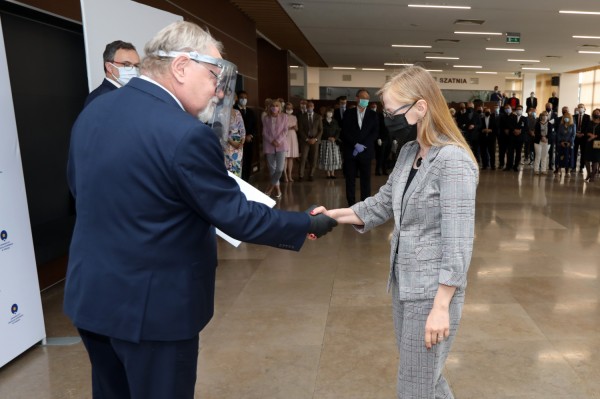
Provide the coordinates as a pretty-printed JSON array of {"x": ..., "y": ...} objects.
[
  {"x": 249, "y": 118},
  {"x": 338, "y": 113},
  {"x": 553, "y": 120},
  {"x": 518, "y": 127},
  {"x": 121, "y": 63},
  {"x": 383, "y": 145},
  {"x": 151, "y": 186},
  {"x": 531, "y": 102},
  {"x": 554, "y": 101},
  {"x": 487, "y": 139},
  {"x": 582, "y": 122},
  {"x": 504, "y": 136},
  {"x": 470, "y": 124},
  {"x": 360, "y": 129},
  {"x": 310, "y": 130}
]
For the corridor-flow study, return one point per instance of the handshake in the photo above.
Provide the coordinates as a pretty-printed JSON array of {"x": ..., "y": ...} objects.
[{"x": 320, "y": 224}]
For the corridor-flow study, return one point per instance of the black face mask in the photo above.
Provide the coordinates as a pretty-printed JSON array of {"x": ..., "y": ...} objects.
[
  {"x": 470, "y": 110},
  {"x": 399, "y": 126},
  {"x": 487, "y": 114},
  {"x": 596, "y": 118},
  {"x": 548, "y": 109}
]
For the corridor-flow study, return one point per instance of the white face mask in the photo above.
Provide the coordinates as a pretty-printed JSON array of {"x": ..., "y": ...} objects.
[
  {"x": 243, "y": 101},
  {"x": 289, "y": 111},
  {"x": 519, "y": 112},
  {"x": 582, "y": 110},
  {"x": 125, "y": 74}
]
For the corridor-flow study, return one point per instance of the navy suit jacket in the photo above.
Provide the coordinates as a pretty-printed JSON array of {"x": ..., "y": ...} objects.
[
  {"x": 105, "y": 87},
  {"x": 366, "y": 135},
  {"x": 150, "y": 186}
]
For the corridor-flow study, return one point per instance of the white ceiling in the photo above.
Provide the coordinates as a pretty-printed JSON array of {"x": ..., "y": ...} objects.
[{"x": 359, "y": 33}]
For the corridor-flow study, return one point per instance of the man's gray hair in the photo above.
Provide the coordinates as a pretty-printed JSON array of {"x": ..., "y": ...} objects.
[{"x": 178, "y": 36}]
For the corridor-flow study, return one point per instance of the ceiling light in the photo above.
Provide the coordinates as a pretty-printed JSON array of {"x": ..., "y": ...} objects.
[
  {"x": 511, "y": 60},
  {"x": 443, "y": 58},
  {"x": 294, "y": 66},
  {"x": 373, "y": 69},
  {"x": 580, "y": 12},
  {"x": 487, "y": 73},
  {"x": 410, "y": 45},
  {"x": 434, "y": 70},
  {"x": 343, "y": 68},
  {"x": 396, "y": 64},
  {"x": 586, "y": 37},
  {"x": 297, "y": 6},
  {"x": 588, "y": 52},
  {"x": 478, "y": 33},
  {"x": 536, "y": 69},
  {"x": 433, "y": 6},
  {"x": 503, "y": 49},
  {"x": 467, "y": 66}
]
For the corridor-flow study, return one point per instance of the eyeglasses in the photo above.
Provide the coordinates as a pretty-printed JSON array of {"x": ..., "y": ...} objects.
[
  {"x": 127, "y": 65},
  {"x": 391, "y": 115}
]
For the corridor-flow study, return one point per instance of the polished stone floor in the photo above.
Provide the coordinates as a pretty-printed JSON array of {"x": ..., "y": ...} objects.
[{"x": 317, "y": 324}]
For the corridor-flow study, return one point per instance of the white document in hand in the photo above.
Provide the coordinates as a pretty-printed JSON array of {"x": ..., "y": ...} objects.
[{"x": 252, "y": 194}]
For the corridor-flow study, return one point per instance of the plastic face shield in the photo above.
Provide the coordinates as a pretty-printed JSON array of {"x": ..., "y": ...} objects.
[{"x": 217, "y": 113}]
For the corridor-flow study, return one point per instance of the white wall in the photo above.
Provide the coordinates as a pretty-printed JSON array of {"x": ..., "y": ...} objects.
[
  {"x": 447, "y": 80},
  {"x": 568, "y": 91},
  {"x": 97, "y": 32}
]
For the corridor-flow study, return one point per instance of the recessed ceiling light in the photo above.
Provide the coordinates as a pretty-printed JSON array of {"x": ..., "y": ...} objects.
[
  {"x": 434, "y": 6},
  {"x": 536, "y": 69},
  {"x": 443, "y": 58},
  {"x": 503, "y": 49},
  {"x": 297, "y": 6},
  {"x": 467, "y": 66},
  {"x": 478, "y": 33},
  {"x": 294, "y": 66},
  {"x": 434, "y": 70},
  {"x": 512, "y": 60},
  {"x": 588, "y": 52},
  {"x": 397, "y": 64},
  {"x": 586, "y": 37},
  {"x": 410, "y": 45},
  {"x": 580, "y": 12},
  {"x": 343, "y": 68},
  {"x": 487, "y": 73},
  {"x": 373, "y": 69}
]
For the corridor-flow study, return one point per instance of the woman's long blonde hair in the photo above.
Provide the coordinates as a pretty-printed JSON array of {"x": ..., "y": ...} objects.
[{"x": 437, "y": 127}]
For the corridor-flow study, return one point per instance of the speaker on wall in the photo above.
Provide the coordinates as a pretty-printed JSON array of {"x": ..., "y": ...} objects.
[{"x": 555, "y": 80}]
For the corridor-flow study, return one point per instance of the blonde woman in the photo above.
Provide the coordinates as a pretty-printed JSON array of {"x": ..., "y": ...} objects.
[
  {"x": 275, "y": 127},
  {"x": 431, "y": 196},
  {"x": 293, "y": 151},
  {"x": 565, "y": 137}
]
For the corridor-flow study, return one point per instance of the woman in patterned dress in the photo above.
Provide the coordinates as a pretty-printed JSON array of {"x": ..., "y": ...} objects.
[
  {"x": 330, "y": 158},
  {"x": 292, "y": 141},
  {"x": 235, "y": 144}
]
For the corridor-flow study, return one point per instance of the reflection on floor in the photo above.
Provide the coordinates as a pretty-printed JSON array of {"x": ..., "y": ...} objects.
[{"x": 317, "y": 324}]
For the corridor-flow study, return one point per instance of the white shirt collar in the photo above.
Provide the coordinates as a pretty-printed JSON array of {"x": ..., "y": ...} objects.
[
  {"x": 117, "y": 84},
  {"x": 148, "y": 79}
]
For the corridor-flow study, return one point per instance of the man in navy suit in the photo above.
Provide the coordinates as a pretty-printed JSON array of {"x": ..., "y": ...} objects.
[
  {"x": 360, "y": 129},
  {"x": 121, "y": 63},
  {"x": 151, "y": 186}
]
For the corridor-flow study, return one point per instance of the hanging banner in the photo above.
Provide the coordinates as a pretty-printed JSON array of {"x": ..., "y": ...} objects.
[{"x": 21, "y": 317}]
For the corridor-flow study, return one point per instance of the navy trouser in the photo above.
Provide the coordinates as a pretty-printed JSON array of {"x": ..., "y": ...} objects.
[{"x": 145, "y": 370}]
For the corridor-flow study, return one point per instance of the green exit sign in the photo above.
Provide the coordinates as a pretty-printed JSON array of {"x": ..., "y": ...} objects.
[{"x": 513, "y": 37}]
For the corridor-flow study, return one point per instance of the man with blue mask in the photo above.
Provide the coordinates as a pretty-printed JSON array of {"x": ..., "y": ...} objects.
[
  {"x": 360, "y": 129},
  {"x": 121, "y": 63}
]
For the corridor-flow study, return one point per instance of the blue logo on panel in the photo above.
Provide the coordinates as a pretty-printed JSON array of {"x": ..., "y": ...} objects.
[
  {"x": 14, "y": 308},
  {"x": 3, "y": 235}
]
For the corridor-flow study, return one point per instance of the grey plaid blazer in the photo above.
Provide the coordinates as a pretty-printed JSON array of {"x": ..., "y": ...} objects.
[{"x": 434, "y": 222}]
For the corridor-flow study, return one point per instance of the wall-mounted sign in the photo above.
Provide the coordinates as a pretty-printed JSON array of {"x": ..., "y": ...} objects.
[{"x": 513, "y": 37}]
